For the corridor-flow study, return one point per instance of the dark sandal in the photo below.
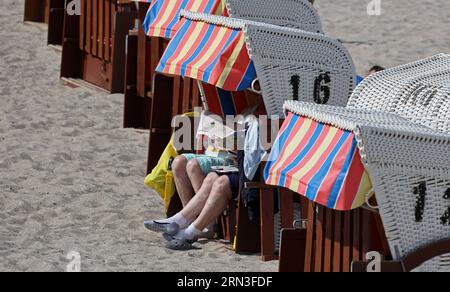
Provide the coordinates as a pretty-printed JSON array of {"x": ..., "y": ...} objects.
[
  {"x": 168, "y": 237},
  {"x": 180, "y": 244},
  {"x": 169, "y": 228}
]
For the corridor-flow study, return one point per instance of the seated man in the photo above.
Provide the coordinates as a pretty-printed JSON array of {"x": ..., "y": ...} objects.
[
  {"x": 189, "y": 171},
  {"x": 185, "y": 228},
  {"x": 204, "y": 198},
  {"x": 217, "y": 190}
]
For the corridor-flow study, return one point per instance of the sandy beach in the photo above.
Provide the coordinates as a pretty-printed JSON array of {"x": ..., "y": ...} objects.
[{"x": 71, "y": 178}]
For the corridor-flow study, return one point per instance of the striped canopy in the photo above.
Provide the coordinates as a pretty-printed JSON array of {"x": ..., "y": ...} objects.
[
  {"x": 320, "y": 162},
  {"x": 163, "y": 15},
  {"x": 213, "y": 53},
  {"x": 224, "y": 103}
]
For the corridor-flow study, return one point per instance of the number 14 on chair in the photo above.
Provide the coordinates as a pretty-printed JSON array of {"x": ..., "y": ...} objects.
[{"x": 421, "y": 197}]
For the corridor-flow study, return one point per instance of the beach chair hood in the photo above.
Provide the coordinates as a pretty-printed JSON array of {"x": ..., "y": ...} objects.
[
  {"x": 299, "y": 14},
  {"x": 405, "y": 148},
  {"x": 162, "y": 17}
]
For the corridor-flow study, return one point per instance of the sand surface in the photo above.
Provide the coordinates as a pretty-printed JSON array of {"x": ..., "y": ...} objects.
[
  {"x": 71, "y": 179},
  {"x": 406, "y": 30}
]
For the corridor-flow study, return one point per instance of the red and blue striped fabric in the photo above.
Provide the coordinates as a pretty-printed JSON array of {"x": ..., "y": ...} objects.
[
  {"x": 320, "y": 162},
  {"x": 224, "y": 103},
  {"x": 211, "y": 53},
  {"x": 163, "y": 15}
]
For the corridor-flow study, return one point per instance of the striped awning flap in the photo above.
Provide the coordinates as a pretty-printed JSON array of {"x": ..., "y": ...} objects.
[
  {"x": 163, "y": 15},
  {"x": 224, "y": 103},
  {"x": 210, "y": 52},
  {"x": 320, "y": 162}
]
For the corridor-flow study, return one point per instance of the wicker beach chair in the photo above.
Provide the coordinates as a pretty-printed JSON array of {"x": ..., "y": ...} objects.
[
  {"x": 95, "y": 42},
  {"x": 317, "y": 72},
  {"x": 322, "y": 73},
  {"x": 157, "y": 132},
  {"x": 400, "y": 120},
  {"x": 144, "y": 53},
  {"x": 294, "y": 65},
  {"x": 186, "y": 96},
  {"x": 176, "y": 88}
]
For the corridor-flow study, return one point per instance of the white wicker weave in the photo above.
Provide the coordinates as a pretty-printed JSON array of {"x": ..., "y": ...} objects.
[
  {"x": 281, "y": 54},
  {"x": 436, "y": 264},
  {"x": 405, "y": 146},
  {"x": 278, "y": 227},
  {"x": 384, "y": 84},
  {"x": 299, "y": 14}
]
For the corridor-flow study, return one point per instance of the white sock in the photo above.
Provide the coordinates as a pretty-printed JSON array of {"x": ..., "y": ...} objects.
[
  {"x": 178, "y": 219},
  {"x": 190, "y": 233}
]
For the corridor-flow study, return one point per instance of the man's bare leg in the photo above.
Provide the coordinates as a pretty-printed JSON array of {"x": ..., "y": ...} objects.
[
  {"x": 216, "y": 202},
  {"x": 197, "y": 203},
  {"x": 182, "y": 180},
  {"x": 197, "y": 177},
  {"x": 189, "y": 213},
  {"x": 195, "y": 174}
]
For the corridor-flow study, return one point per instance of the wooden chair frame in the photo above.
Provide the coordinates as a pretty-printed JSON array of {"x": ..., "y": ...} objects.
[
  {"x": 150, "y": 96},
  {"x": 50, "y": 12},
  {"x": 55, "y": 22},
  {"x": 143, "y": 55},
  {"x": 331, "y": 240},
  {"x": 37, "y": 10},
  {"x": 410, "y": 262}
]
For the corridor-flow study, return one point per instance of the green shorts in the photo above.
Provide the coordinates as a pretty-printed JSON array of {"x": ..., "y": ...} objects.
[{"x": 207, "y": 162}]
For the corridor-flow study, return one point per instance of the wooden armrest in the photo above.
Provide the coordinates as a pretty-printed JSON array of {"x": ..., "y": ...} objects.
[
  {"x": 133, "y": 32},
  {"x": 411, "y": 261},
  {"x": 258, "y": 185},
  {"x": 425, "y": 254}
]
